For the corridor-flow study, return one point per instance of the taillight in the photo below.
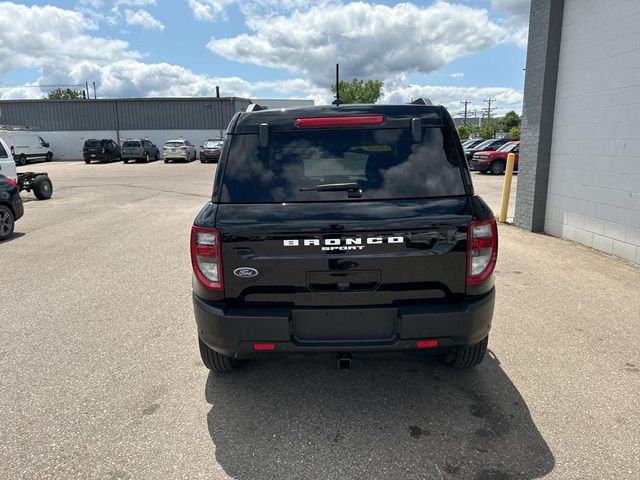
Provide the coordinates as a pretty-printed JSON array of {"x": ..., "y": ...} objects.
[
  {"x": 353, "y": 121},
  {"x": 183, "y": 148},
  {"x": 103, "y": 150},
  {"x": 12, "y": 182},
  {"x": 482, "y": 250},
  {"x": 206, "y": 257}
]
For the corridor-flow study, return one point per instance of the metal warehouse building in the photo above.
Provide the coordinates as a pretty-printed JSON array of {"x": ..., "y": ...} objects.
[
  {"x": 66, "y": 124},
  {"x": 579, "y": 173}
]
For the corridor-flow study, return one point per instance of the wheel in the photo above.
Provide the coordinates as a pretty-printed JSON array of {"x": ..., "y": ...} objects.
[
  {"x": 216, "y": 361},
  {"x": 156, "y": 157},
  {"x": 466, "y": 357},
  {"x": 22, "y": 159},
  {"x": 109, "y": 159},
  {"x": 497, "y": 167},
  {"x": 7, "y": 222},
  {"x": 146, "y": 158},
  {"x": 87, "y": 161},
  {"x": 201, "y": 160},
  {"x": 125, "y": 160},
  {"x": 166, "y": 161},
  {"x": 42, "y": 187},
  {"x": 49, "y": 156}
]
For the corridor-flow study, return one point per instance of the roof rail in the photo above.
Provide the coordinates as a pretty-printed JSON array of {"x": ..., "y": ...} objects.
[
  {"x": 254, "y": 107},
  {"x": 421, "y": 101},
  {"x": 14, "y": 127}
]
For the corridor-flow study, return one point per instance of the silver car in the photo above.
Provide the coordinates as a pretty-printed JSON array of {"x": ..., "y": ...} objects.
[{"x": 179, "y": 150}]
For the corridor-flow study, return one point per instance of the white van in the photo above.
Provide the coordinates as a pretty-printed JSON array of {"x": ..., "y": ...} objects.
[
  {"x": 7, "y": 165},
  {"x": 26, "y": 145}
]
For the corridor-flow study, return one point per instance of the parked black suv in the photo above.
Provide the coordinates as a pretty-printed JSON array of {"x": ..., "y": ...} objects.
[
  {"x": 11, "y": 208},
  {"x": 343, "y": 229},
  {"x": 104, "y": 150}
]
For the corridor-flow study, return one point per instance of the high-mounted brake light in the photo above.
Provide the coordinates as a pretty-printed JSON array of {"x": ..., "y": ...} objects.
[
  {"x": 206, "y": 257},
  {"x": 355, "y": 121},
  {"x": 482, "y": 250}
]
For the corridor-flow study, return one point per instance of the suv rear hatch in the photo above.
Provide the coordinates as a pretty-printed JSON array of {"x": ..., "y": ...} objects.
[
  {"x": 350, "y": 216},
  {"x": 132, "y": 148}
]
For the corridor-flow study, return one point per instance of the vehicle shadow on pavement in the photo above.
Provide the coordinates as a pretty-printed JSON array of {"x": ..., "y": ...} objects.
[{"x": 392, "y": 417}]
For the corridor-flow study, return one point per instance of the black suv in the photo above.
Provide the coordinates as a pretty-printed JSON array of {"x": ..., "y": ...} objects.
[
  {"x": 104, "y": 150},
  {"x": 343, "y": 229},
  {"x": 11, "y": 208}
]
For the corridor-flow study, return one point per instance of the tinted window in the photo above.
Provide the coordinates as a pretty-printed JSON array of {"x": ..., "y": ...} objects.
[
  {"x": 93, "y": 143},
  {"x": 210, "y": 144},
  {"x": 3, "y": 152},
  {"x": 131, "y": 143},
  {"x": 383, "y": 163},
  {"x": 174, "y": 144}
]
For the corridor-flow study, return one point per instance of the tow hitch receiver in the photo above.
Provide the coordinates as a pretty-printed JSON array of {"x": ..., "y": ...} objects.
[{"x": 344, "y": 362}]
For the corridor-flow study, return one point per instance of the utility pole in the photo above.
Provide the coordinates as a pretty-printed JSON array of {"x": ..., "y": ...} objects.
[
  {"x": 465, "y": 103},
  {"x": 95, "y": 95},
  {"x": 489, "y": 101}
]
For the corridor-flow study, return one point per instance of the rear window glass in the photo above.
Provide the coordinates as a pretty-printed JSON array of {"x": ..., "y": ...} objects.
[
  {"x": 92, "y": 143},
  {"x": 131, "y": 143},
  {"x": 212, "y": 144},
  {"x": 384, "y": 163},
  {"x": 174, "y": 144},
  {"x": 3, "y": 152}
]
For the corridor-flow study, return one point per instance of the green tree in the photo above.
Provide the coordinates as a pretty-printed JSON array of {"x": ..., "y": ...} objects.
[
  {"x": 487, "y": 131},
  {"x": 514, "y": 132},
  {"x": 511, "y": 119},
  {"x": 64, "y": 94},
  {"x": 358, "y": 91},
  {"x": 464, "y": 131}
]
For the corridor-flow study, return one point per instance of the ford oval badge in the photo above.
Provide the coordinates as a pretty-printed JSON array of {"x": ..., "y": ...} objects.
[{"x": 245, "y": 272}]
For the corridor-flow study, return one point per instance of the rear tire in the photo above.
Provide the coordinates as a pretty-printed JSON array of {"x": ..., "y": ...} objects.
[
  {"x": 497, "y": 167},
  {"x": 467, "y": 357},
  {"x": 7, "y": 223},
  {"x": 156, "y": 158},
  {"x": 42, "y": 187},
  {"x": 166, "y": 161},
  {"x": 146, "y": 158},
  {"x": 22, "y": 160},
  {"x": 87, "y": 162},
  {"x": 216, "y": 361},
  {"x": 49, "y": 156}
]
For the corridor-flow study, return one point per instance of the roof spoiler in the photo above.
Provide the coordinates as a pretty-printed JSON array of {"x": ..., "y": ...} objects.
[
  {"x": 420, "y": 101},
  {"x": 254, "y": 107}
]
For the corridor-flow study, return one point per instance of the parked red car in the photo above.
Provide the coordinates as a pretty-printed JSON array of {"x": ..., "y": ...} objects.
[{"x": 495, "y": 162}]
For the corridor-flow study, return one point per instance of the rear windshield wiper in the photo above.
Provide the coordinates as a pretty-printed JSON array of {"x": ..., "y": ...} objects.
[{"x": 353, "y": 189}]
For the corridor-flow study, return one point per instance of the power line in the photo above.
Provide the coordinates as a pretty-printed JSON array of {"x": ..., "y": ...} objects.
[{"x": 10, "y": 85}]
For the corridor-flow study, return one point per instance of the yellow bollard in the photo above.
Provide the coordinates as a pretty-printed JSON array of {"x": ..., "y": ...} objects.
[{"x": 506, "y": 189}]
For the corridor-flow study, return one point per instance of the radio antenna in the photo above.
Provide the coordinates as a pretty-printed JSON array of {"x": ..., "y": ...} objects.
[{"x": 337, "y": 101}]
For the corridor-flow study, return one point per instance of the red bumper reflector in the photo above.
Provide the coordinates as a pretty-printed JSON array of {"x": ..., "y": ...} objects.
[
  {"x": 264, "y": 346},
  {"x": 339, "y": 121},
  {"x": 426, "y": 343}
]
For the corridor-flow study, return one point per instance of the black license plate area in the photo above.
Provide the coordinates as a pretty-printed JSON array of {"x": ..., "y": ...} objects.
[{"x": 345, "y": 325}]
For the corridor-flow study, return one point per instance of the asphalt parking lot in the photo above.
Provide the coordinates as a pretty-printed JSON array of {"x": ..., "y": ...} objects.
[{"x": 101, "y": 376}]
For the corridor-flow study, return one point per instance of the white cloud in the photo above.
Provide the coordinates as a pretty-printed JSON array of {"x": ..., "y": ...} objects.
[
  {"x": 209, "y": 10},
  {"x": 516, "y": 23},
  {"x": 143, "y": 19},
  {"x": 49, "y": 38},
  {"x": 369, "y": 41},
  {"x": 506, "y": 98},
  {"x": 456, "y": 75}
]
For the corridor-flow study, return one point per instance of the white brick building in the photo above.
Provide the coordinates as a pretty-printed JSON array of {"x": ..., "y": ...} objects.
[{"x": 580, "y": 170}]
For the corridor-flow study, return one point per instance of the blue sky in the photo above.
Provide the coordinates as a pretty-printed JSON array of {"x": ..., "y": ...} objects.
[{"x": 446, "y": 50}]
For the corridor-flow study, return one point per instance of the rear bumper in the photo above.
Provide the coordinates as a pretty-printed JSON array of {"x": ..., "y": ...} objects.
[
  {"x": 95, "y": 156},
  {"x": 233, "y": 331}
]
